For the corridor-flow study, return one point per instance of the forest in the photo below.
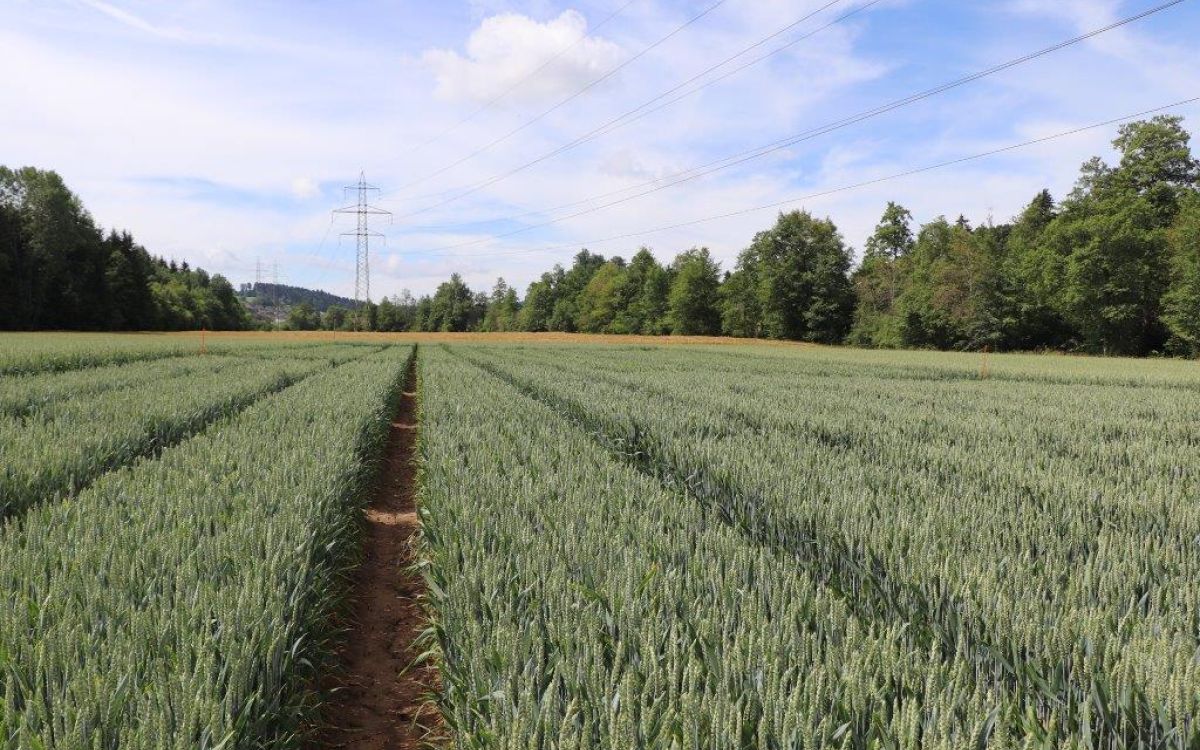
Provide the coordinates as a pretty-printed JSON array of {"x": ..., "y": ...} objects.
[
  {"x": 1114, "y": 267},
  {"x": 59, "y": 270},
  {"x": 284, "y": 295}
]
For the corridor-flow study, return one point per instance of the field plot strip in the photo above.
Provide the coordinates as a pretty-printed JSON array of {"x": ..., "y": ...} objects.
[
  {"x": 859, "y": 578},
  {"x": 61, "y": 447},
  {"x": 21, "y": 396},
  {"x": 378, "y": 692},
  {"x": 585, "y": 601},
  {"x": 748, "y": 411},
  {"x": 1059, "y": 690},
  {"x": 36, "y": 353},
  {"x": 856, "y": 568},
  {"x": 334, "y": 353},
  {"x": 30, "y": 354},
  {"x": 186, "y": 602}
]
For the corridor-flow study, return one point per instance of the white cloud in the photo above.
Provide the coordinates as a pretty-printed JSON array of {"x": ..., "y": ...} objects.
[
  {"x": 507, "y": 48},
  {"x": 624, "y": 163},
  {"x": 305, "y": 187}
]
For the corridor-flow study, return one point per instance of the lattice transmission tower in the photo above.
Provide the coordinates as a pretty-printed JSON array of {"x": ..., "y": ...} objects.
[{"x": 362, "y": 234}]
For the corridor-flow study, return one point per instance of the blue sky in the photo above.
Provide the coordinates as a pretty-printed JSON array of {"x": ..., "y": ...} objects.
[{"x": 221, "y": 133}]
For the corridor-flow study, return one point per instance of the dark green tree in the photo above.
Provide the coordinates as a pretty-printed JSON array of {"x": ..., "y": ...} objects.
[
  {"x": 951, "y": 297},
  {"x": 1112, "y": 238},
  {"x": 503, "y": 309},
  {"x": 692, "y": 303},
  {"x": 798, "y": 273},
  {"x": 453, "y": 307},
  {"x": 334, "y": 318},
  {"x": 642, "y": 293},
  {"x": 1181, "y": 303},
  {"x": 540, "y": 298},
  {"x": 1116, "y": 272},
  {"x": 598, "y": 304},
  {"x": 568, "y": 288},
  {"x": 303, "y": 317},
  {"x": 58, "y": 270},
  {"x": 130, "y": 303},
  {"x": 1035, "y": 272},
  {"x": 1156, "y": 164},
  {"x": 741, "y": 314},
  {"x": 878, "y": 280},
  {"x": 13, "y": 277},
  {"x": 423, "y": 314},
  {"x": 64, "y": 259},
  {"x": 397, "y": 313},
  {"x": 893, "y": 237}
]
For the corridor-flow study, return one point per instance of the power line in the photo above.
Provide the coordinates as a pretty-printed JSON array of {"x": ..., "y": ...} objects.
[
  {"x": 844, "y": 188},
  {"x": 640, "y": 112},
  {"x": 523, "y": 80},
  {"x": 323, "y": 274},
  {"x": 321, "y": 260},
  {"x": 564, "y": 102},
  {"x": 678, "y": 178}
]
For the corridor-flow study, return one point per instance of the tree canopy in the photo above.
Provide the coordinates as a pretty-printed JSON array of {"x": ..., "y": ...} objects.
[
  {"x": 1109, "y": 270},
  {"x": 58, "y": 270}
]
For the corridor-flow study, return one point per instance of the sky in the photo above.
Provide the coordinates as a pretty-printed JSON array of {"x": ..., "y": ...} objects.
[{"x": 222, "y": 133}]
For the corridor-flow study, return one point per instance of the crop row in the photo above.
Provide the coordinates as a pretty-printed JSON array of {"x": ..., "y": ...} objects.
[
  {"x": 929, "y": 365},
  {"x": 28, "y": 354},
  {"x": 32, "y": 353},
  {"x": 24, "y": 395},
  {"x": 1051, "y": 555},
  {"x": 180, "y": 603},
  {"x": 334, "y": 352},
  {"x": 580, "y": 603},
  {"x": 69, "y": 442}
]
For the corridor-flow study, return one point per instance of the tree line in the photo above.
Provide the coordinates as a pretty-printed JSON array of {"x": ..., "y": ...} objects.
[
  {"x": 1112, "y": 268},
  {"x": 58, "y": 270}
]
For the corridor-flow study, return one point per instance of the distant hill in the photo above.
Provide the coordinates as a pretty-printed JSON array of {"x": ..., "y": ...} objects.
[{"x": 282, "y": 295}]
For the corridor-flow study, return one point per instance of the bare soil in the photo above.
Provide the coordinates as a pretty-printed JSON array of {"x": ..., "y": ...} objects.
[{"x": 378, "y": 701}]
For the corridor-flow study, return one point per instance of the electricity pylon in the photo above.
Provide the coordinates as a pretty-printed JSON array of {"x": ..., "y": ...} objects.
[{"x": 362, "y": 234}]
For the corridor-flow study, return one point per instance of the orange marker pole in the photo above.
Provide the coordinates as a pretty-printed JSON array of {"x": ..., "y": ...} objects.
[{"x": 203, "y": 347}]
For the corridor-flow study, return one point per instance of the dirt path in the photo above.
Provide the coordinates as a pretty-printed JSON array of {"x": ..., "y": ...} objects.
[{"x": 374, "y": 706}]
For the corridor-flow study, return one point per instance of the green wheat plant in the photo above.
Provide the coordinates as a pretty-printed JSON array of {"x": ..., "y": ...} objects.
[
  {"x": 182, "y": 602},
  {"x": 63, "y": 445},
  {"x": 1032, "y": 537}
]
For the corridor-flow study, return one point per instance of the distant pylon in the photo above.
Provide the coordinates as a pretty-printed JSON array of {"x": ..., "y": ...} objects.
[{"x": 362, "y": 234}]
